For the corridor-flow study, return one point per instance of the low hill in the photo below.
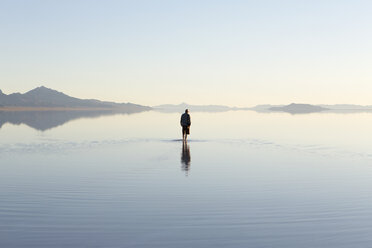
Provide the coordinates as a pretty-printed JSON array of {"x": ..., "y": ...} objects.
[{"x": 295, "y": 108}]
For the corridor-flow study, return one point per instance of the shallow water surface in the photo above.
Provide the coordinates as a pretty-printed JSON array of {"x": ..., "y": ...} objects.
[{"x": 243, "y": 180}]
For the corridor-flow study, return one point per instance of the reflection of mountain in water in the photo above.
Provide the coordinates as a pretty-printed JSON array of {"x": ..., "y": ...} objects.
[{"x": 44, "y": 120}]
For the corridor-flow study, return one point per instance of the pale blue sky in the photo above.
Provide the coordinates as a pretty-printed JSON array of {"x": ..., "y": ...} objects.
[{"x": 202, "y": 52}]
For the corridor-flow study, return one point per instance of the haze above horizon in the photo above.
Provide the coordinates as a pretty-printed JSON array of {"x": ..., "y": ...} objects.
[{"x": 236, "y": 53}]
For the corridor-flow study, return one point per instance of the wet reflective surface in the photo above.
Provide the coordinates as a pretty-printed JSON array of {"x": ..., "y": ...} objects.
[{"x": 243, "y": 180}]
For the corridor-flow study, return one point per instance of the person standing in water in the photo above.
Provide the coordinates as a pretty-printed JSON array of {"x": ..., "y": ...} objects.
[{"x": 185, "y": 123}]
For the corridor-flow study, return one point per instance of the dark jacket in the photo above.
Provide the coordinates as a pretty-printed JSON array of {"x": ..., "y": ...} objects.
[{"x": 185, "y": 120}]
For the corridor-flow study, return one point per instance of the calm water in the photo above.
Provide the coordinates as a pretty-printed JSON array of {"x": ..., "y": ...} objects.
[{"x": 243, "y": 180}]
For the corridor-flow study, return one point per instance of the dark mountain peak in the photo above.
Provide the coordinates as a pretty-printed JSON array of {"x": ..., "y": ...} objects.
[
  {"x": 43, "y": 90},
  {"x": 1, "y": 92}
]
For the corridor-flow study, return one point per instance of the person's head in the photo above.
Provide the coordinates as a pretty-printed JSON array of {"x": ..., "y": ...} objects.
[{"x": 186, "y": 111}]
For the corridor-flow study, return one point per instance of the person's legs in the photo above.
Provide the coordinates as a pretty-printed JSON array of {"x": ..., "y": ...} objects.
[{"x": 186, "y": 133}]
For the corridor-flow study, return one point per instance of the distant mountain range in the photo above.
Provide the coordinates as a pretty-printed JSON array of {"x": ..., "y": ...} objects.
[
  {"x": 43, "y": 97},
  {"x": 299, "y": 108},
  {"x": 293, "y": 108},
  {"x": 194, "y": 108}
]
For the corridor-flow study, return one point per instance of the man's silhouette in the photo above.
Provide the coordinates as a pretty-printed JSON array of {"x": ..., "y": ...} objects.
[{"x": 185, "y": 123}]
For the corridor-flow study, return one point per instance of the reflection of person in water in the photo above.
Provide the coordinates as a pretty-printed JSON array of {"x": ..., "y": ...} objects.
[
  {"x": 185, "y": 157},
  {"x": 185, "y": 123}
]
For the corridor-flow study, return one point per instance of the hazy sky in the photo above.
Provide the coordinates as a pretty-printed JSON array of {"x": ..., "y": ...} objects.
[{"x": 202, "y": 52}]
